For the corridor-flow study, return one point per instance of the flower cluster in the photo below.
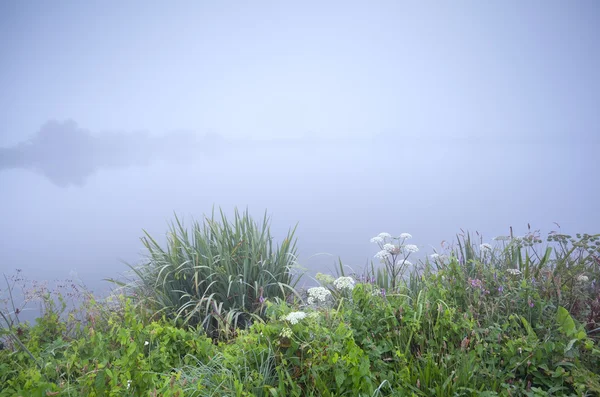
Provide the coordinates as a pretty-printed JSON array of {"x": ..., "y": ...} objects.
[
  {"x": 582, "y": 278},
  {"x": 344, "y": 283},
  {"x": 383, "y": 254},
  {"x": 317, "y": 294},
  {"x": 403, "y": 262},
  {"x": 380, "y": 238},
  {"x": 286, "y": 332},
  {"x": 410, "y": 248},
  {"x": 485, "y": 247},
  {"x": 295, "y": 317},
  {"x": 378, "y": 292},
  {"x": 514, "y": 272},
  {"x": 392, "y": 249},
  {"x": 477, "y": 283}
]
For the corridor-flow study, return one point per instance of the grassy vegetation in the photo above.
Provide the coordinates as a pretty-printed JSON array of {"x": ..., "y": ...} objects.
[
  {"x": 216, "y": 313},
  {"x": 217, "y": 276}
]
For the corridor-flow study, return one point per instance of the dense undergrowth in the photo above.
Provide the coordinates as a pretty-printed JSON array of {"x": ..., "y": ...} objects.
[{"x": 216, "y": 313}]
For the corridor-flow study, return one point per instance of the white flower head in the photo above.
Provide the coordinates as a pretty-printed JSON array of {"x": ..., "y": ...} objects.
[
  {"x": 392, "y": 249},
  {"x": 295, "y": 317},
  {"x": 514, "y": 272},
  {"x": 317, "y": 294},
  {"x": 404, "y": 262},
  {"x": 485, "y": 247},
  {"x": 377, "y": 240},
  {"x": 344, "y": 283},
  {"x": 382, "y": 255},
  {"x": 406, "y": 236},
  {"x": 434, "y": 256},
  {"x": 410, "y": 248},
  {"x": 146, "y": 343},
  {"x": 582, "y": 278},
  {"x": 384, "y": 235}
]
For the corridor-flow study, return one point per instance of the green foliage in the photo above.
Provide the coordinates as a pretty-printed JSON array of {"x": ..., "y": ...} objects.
[
  {"x": 218, "y": 275},
  {"x": 121, "y": 357},
  {"x": 479, "y": 321}
]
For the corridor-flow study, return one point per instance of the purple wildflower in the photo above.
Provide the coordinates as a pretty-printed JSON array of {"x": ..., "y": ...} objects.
[{"x": 476, "y": 283}]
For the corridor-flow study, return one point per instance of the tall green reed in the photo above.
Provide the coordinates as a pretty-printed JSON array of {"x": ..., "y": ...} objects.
[{"x": 217, "y": 274}]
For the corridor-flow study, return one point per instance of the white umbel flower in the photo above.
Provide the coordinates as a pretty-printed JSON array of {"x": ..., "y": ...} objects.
[
  {"x": 392, "y": 249},
  {"x": 344, "y": 283},
  {"x": 514, "y": 272},
  {"x": 317, "y": 294},
  {"x": 411, "y": 248},
  {"x": 406, "y": 236},
  {"x": 403, "y": 262},
  {"x": 382, "y": 255},
  {"x": 377, "y": 240},
  {"x": 384, "y": 235},
  {"x": 582, "y": 278},
  {"x": 485, "y": 247},
  {"x": 295, "y": 317}
]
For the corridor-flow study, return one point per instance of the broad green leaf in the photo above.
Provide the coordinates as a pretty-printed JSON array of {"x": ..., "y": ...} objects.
[
  {"x": 565, "y": 321},
  {"x": 530, "y": 331}
]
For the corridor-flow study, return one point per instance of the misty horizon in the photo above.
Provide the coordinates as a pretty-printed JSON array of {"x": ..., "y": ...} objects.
[{"x": 348, "y": 119}]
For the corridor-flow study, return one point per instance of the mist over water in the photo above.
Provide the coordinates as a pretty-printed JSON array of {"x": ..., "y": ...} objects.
[
  {"x": 68, "y": 155},
  {"x": 339, "y": 193},
  {"x": 348, "y": 119}
]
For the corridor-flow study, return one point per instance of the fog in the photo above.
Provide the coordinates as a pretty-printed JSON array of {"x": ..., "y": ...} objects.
[{"x": 348, "y": 119}]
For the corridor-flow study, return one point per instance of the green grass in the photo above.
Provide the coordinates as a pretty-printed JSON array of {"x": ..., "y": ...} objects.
[{"x": 217, "y": 274}]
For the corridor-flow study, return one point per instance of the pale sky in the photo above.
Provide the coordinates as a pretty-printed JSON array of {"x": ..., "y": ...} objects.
[{"x": 351, "y": 118}]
